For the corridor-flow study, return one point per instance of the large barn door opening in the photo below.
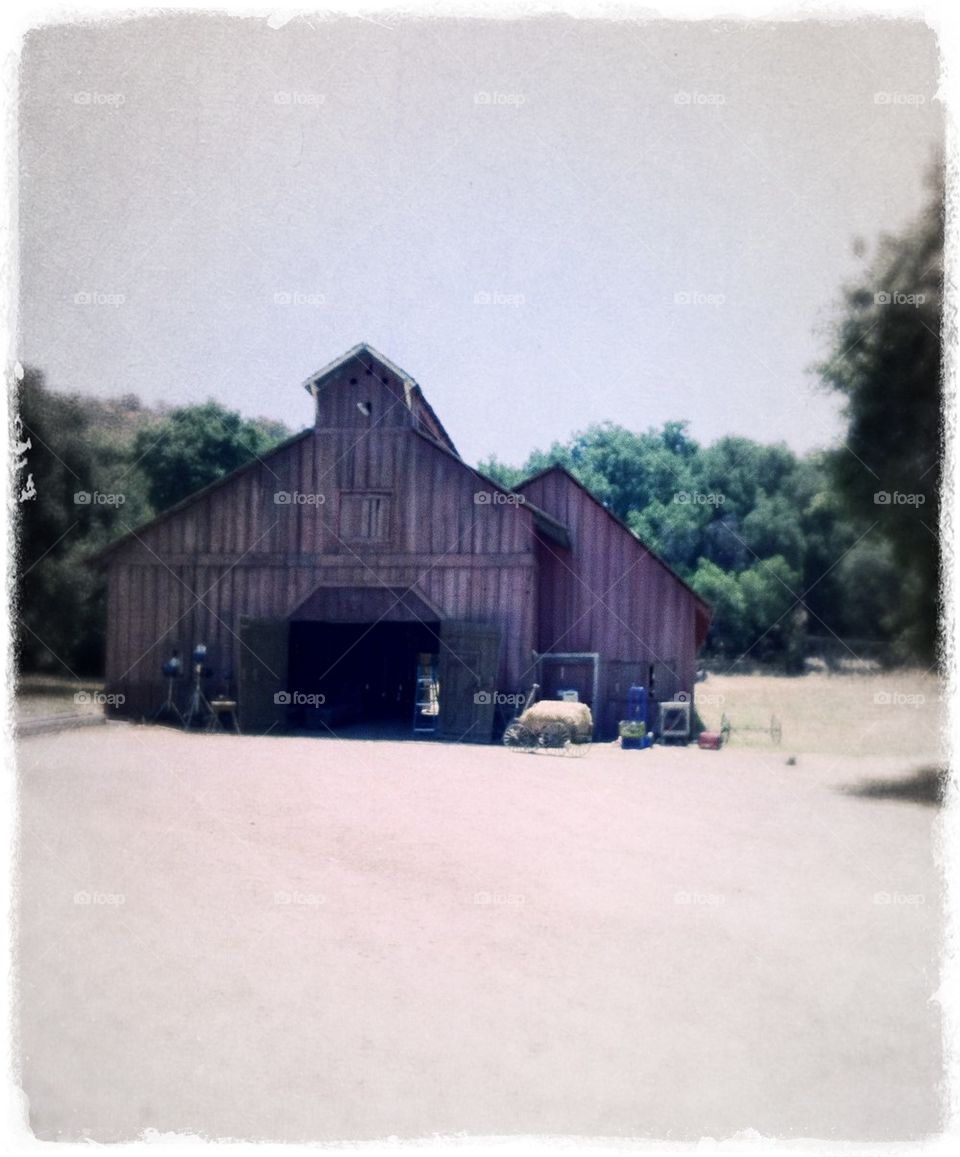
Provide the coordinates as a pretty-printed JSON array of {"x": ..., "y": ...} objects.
[
  {"x": 357, "y": 675},
  {"x": 263, "y": 674},
  {"x": 469, "y": 662}
]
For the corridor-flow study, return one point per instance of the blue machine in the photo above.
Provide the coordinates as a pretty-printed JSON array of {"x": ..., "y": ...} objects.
[{"x": 637, "y": 704}]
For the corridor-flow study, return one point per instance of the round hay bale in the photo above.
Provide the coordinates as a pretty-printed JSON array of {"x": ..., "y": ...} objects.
[{"x": 576, "y": 716}]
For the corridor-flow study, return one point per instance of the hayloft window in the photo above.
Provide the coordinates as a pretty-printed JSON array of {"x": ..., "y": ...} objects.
[{"x": 364, "y": 517}]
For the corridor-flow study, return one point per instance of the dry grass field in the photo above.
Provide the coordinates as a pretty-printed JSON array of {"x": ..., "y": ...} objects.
[
  {"x": 50, "y": 695},
  {"x": 895, "y": 713}
]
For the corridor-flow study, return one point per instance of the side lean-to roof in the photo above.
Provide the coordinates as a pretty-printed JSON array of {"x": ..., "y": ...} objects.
[{"x": 704, "y": 610}]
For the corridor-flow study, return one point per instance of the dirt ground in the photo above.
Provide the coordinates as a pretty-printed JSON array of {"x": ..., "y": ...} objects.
[{"x": 318, "y": 939}]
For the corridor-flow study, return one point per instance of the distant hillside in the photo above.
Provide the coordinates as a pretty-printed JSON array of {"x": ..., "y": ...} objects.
[{"x": 122, "y": 417}]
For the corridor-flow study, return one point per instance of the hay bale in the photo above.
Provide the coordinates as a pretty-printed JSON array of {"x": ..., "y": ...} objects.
[{"x": 575, "y": 715}]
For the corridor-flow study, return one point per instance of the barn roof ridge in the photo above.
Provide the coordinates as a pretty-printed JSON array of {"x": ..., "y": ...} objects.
[
  {"x": 557, "y": 468},
  {"x": 355, "y": 351}
]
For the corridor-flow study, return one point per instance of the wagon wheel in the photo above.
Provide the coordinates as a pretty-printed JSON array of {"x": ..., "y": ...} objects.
[
  {"x": 555, "y": 735},
  {"x": 776, "y": 731},
  {"x": 518, "y": 735}
]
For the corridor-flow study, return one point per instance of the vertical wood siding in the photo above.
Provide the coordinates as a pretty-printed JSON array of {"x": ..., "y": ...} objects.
[
  {"x": 609, "y": 594},
  {"x": 236, "y": 551}
]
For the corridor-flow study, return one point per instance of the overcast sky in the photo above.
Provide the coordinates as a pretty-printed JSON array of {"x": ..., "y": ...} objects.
[{"x": 546, "y": 223}]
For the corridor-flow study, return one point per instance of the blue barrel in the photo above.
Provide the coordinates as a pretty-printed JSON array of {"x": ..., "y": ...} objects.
[{"x": 637, "y": 703}]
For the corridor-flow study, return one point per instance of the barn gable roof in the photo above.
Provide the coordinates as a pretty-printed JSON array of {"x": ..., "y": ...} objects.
[
  {"x": 543, "y": 521},
  {"x": 368, "y": 357},
  {"x": 101, "y": 556},
  {"x": 562, "y": 470}
]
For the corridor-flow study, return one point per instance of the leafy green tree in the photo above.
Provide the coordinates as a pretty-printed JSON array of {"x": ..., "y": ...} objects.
[
  {"x": 729, "y": 467},
  {"x": 775, "y": 618},
  {"x": 673, "y": 529},
  {"x": 727, "y": 637},
  {"x": 194, "y": 446},
  {"x": 872, "y": 581},
  {"x": 723, "y": 542},
  {"x": 623, "y": 469},
  {"x": 756, "y": 613},
  {"x": 500, "y": 472},
  {"x": 773, "y": 527},
  {"x": 886, "y": 363}
]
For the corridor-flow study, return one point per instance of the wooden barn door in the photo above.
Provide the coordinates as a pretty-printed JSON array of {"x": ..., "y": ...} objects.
[
  {"x": 263, "y": 674},
  {"x": 469, "y": 662},
  {"x": 667, "y": 684}
]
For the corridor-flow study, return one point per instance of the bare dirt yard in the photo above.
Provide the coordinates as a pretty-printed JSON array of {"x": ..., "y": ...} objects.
[{"x": 315, "y": 939}]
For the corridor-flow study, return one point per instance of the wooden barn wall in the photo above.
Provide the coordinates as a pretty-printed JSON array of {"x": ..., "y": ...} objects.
[
  {"x": 236, "y": 551},
  {"x": 608, "y": 594}
]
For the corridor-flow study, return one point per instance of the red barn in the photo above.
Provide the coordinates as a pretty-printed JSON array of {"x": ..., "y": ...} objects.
[{"x": 364, "y": 552}]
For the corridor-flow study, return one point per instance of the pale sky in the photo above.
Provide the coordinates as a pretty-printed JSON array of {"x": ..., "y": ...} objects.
[{"x": 546, "y": 223}]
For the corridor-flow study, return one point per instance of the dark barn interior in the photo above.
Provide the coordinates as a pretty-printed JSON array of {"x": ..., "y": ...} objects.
[{"x": 366, "y": 672}]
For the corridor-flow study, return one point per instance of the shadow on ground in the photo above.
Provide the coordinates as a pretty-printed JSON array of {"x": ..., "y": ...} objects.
[{"x": 925, "y": 786}]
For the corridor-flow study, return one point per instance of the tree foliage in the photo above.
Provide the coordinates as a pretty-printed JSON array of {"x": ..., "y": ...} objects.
[
  {"x": 194, "y": 446},
  {"x": 886, "y": 363},
  {"x": 72, "y": 463}
]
